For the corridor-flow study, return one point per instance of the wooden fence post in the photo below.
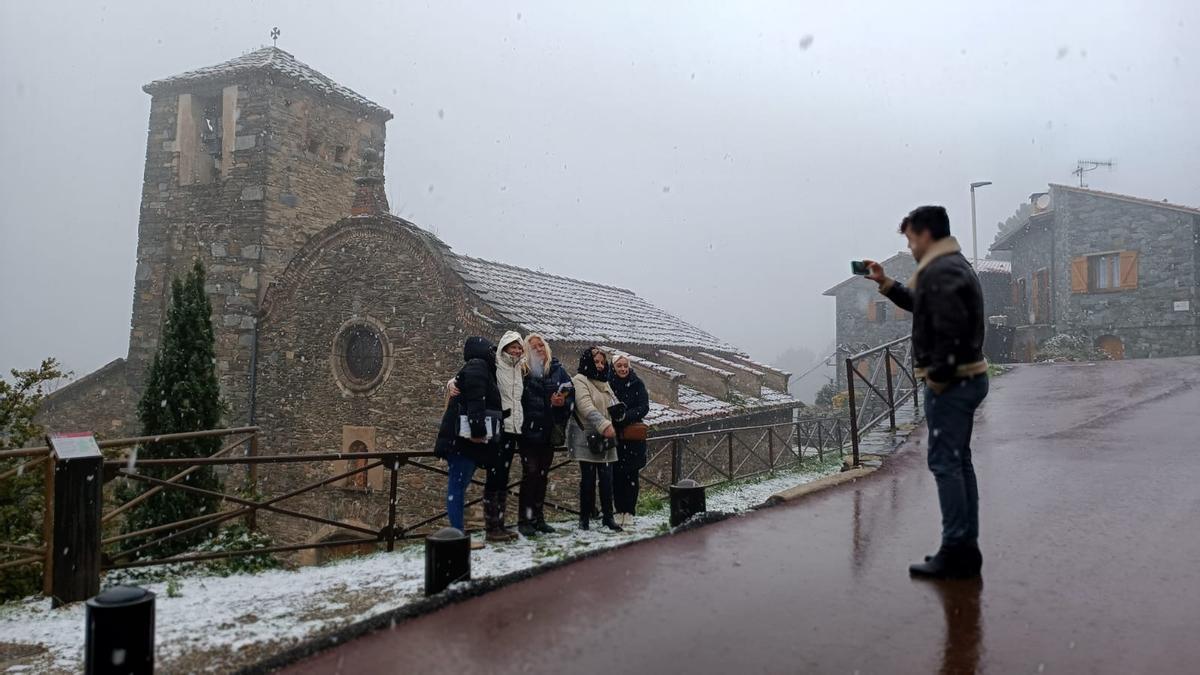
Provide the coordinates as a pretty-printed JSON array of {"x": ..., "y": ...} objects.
[{"x": 74, "y": 543}]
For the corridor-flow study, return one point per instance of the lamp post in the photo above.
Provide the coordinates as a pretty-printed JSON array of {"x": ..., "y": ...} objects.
[{"x": 974, "y": 233}]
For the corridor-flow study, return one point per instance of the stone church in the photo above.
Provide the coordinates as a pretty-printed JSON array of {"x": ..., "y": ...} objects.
[{"x": 337, "y": 323}]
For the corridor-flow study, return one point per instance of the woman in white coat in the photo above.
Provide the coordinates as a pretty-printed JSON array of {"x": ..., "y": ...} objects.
[{"x": 591, "y": 437}]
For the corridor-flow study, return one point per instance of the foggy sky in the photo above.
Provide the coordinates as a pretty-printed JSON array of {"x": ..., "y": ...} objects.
[{"x": 723, "y": 160}]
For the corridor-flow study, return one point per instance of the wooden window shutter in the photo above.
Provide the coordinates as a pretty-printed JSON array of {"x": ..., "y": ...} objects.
[
  {"x": 1035, "y": 294},
  {"x": 1079, "y": 274},
  {"x": 871, "y": 312},
  {"x": 1129, "y": 269}
]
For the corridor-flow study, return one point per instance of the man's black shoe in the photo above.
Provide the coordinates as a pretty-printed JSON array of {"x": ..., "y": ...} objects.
[
  {"x": 527, "y": 530},
  {"x": 951, "y": 562}
]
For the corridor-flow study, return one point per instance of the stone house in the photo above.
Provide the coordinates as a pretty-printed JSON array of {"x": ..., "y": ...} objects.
[
  {"x": 337, "y": 324},
  {"x": 1122, "y": 271}
]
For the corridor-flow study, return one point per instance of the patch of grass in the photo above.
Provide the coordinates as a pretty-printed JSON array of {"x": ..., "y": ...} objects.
[
  {"x": 996, "y": 370},
  {"x": 650, "y": 501},
  {"x": 174, "y": 588}
]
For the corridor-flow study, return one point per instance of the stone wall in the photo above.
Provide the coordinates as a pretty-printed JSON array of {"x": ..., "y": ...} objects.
[
  {"x": 364, "y": 271},
  {"x": 101, "y": 402},
  {"x": 287, "y": 170},
  {"x": 1031, "y": 252},
  {"x": 1144, "y": 318}
]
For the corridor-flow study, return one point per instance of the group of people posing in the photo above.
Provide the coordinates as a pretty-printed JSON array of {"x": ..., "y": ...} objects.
[{"x": 515, "y": 399}]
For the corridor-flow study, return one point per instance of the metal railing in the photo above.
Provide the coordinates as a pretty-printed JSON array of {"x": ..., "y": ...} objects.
[
  {"x": 711, "y": 457},
  {"x": 719, "y": 456},
  {"x": 887, "y": 373}
]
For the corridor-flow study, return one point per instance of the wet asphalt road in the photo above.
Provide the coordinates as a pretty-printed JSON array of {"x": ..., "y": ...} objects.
[{"x": 1090, "y": 518}]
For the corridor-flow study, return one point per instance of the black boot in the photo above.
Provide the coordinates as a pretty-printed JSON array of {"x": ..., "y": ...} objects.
[
  {"x": 961, "y": 561},
  {"x": 542, "y": 527},
  {"x": 527, "y": 530},
  {"x": 612, "y": 524},
  {"x": 493, "y": 517}
]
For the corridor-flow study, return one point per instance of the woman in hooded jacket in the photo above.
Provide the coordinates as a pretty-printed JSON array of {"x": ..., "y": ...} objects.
[
  {"x": 631, "y": 447},
  {"x": 546, "y": 401},
  {"x": 590, "y": 436},
  {"x": 510, "y": 365},
  {"x": 477, "y": 401}
]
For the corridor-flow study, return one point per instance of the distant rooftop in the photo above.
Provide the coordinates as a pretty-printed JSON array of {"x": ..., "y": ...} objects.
[
  {"x": 1127, "y": 198},
  {"x": 993, "y": 266},
  {"x": 277, "y": 62}
]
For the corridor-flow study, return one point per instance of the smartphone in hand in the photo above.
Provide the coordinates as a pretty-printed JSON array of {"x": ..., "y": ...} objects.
[{"x": 859, "y": 268}]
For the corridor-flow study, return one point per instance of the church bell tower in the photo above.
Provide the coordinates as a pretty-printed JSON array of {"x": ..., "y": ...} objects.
[{"x": 244, "y": 161}]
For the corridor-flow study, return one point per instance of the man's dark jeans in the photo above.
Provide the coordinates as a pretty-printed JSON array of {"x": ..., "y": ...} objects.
[{"x": 951, "y": 419}]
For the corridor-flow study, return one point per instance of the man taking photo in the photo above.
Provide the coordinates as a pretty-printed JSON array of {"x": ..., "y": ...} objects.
[{"x": 946, "y": 302}]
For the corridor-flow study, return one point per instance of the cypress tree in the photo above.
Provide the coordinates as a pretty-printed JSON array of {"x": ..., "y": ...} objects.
[{"x": 182, "y": 394}]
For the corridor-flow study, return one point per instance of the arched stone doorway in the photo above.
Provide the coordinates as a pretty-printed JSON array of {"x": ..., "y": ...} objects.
[{"x": 1111, "y": 345}]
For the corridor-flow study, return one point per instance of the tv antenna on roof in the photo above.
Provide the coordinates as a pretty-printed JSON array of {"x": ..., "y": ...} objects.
[
  {"x": 275, "y": 36},
  {"x": 1085, "y": 165}
]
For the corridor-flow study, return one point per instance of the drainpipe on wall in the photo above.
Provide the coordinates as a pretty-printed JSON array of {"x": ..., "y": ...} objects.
[{"x": 253, "y": 373}]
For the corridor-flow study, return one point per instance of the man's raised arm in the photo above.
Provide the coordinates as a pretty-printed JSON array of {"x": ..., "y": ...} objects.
[{"x": 893, "y": 290}]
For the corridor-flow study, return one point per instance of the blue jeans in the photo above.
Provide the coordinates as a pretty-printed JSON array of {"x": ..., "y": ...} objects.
[
  {"x": 460, "y": 468},
  {"x": 951, "y": 419}
]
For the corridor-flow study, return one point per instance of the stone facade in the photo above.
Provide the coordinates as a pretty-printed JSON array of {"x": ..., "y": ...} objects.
[
  {"x": 337, "y": 324},
  {"x": 285, "y": 169},
  {"x": 863, "y": 317},
  {"x": 101, "y": 402},
  {"x": 1120, "y": 270}
]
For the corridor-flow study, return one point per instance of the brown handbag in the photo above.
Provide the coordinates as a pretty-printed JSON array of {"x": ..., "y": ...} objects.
[{"x": 634, "y": 432}]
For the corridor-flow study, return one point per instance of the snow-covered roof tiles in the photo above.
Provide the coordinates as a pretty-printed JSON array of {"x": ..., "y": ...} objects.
[
  {"x": 577, "y": 311},
  {"x": 698, "y": 364},
  {"x": 665, "y": 371},
  {"x": 276, "y": 61},
  {"x": 993, "y": 266},
  {"x": 731, "y": 364},
  {"x": 695, "y": 405}
]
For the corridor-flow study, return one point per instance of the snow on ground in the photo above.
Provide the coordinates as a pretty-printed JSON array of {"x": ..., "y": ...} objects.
[{"x": 218, "y": 623}]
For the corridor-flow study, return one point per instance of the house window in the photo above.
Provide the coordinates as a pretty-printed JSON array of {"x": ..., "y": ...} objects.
[
  {"x": 1105, "y": 272},
  {"x": 339, "y": 154},
  {"x": 877, "y": 312}
]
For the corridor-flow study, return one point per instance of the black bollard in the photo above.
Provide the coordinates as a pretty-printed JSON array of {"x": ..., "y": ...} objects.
[
  {"x": 687, "y": 499},
  {"x": 120, "y": 632},
  {"x": 447, "y": 559}
]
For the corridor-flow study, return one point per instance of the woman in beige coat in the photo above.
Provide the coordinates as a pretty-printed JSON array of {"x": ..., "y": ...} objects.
[{"x": 591, "y": 436}]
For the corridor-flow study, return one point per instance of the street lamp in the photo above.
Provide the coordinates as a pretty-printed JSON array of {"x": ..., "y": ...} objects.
[{"x": 974, "y": 234}]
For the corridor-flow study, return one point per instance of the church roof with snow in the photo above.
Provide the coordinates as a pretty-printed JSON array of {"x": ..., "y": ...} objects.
[
  {"x": 569, "y": 310},
  {"x": 277, "y": 62}
]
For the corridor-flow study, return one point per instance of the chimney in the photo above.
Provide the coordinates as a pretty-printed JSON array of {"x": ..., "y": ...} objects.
[{"x": 369, "y": 197}]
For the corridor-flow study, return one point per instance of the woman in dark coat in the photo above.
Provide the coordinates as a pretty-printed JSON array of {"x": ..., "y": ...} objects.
[
  {"x": 477, "y": 408},
  {"x": 631, "y": 454},
  {"x": 591, "y": 434},
  {"x": 546, "y": 401}
]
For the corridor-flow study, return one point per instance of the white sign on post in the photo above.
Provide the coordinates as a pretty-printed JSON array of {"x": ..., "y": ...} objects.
[
  {"x": 74, "y": 446},
  {"x": 1183, "y": 305}
]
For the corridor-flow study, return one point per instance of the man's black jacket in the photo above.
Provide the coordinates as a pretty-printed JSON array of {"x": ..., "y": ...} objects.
[{"x": 947, "y": 308}]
